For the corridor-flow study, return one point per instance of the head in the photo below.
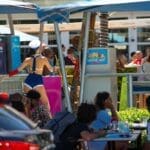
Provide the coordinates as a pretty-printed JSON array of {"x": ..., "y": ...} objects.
[
  {"x": 86, "y": 113},
  {"x": 4, "y": 97},
  {"x": 15, "y": 97},
  {"x": 34, "y": 96},
  {"x": 70, "y": 50},
  {"x": 148, "y": 103},
  {"x": 49, "y": 53},
  {"x": 75, "y": 41},
  {"x": 16, "y": 102},
  {"x": 139, "y": 54},
  {"x": 133, "y": 55},
  {"x": 101, "y": 99},
  {"x": 34, "y": 46}
]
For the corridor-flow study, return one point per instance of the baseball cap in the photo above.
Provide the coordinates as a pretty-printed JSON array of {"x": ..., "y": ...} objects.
[{"x": 34, "y": 44}]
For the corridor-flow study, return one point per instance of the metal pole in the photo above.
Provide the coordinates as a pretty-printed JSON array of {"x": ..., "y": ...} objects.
[
  {"x": 130, "y": 93},
  {"x": 41, "y": 31},
  {"x": 86, "y": 37},
  {"x": 62, "y": 66},
  {"x": 10, "y": 21}
]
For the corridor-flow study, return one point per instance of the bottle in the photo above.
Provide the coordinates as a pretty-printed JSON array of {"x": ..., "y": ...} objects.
[
  {"x": 114, "y": 123},
  {"x": 148, "y": 129}
]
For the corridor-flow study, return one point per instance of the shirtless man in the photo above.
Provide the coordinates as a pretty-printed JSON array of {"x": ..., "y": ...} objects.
[{"x": 34, "y": 79}]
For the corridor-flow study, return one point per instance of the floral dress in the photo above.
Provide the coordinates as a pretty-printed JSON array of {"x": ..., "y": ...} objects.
[{"x": 40, "y": 115}]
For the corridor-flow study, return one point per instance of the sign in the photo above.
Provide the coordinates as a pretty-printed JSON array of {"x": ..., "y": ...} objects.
[{"x": 97, "y": 56}]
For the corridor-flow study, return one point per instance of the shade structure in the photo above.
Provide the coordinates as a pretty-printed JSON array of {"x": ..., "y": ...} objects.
[
  {"x": 60, "y": 13},
  {"x": 23, "y": 36},
  {"x": 11, "y": 7}
]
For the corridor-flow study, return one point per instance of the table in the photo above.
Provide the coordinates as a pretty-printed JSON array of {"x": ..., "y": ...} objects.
[{"x": 134, "y": 136}]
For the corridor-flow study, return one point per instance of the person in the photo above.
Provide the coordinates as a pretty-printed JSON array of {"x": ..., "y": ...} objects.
[
  {"x": 16, "y": 102},
  {"x": 38, "y": 112},
  {"x": 63, "y": 50},
  {"x": 80, "y": 129},
  {"x": 121, "y": 62},
  {"x": 133, "y": 57},
  {"x": 145, "y": 68},
  {"x": 35, "y": 63},
  {"x": 104, "y": 119},
  {"x": 52, "y": 59},
  {"x": 139, "y": 57},
  {"x": 70, "y": 59}
]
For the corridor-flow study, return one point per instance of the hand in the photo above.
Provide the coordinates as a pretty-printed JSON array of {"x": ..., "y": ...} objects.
[{"x": 102, "y": 132}]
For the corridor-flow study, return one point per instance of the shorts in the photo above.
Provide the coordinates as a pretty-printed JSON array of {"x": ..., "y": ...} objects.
[{"x": 33, "y": 80}]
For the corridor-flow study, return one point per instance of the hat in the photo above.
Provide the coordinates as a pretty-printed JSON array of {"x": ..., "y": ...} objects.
[
  {"x": 4, "y": 96},
  {"x": 35, "y": 44}
]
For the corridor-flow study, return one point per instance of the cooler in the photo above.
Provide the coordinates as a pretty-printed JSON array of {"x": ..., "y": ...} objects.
[{"x": 53, "y": 88}]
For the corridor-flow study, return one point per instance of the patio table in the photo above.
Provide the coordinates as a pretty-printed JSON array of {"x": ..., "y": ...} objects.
[{"x": 111, "y": 138}]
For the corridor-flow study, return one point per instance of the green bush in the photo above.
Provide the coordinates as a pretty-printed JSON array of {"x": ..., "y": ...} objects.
[{"x": 131, "y": 115}]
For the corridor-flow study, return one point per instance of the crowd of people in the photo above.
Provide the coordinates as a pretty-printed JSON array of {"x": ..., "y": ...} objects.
[{"x": 92, "y": 120}]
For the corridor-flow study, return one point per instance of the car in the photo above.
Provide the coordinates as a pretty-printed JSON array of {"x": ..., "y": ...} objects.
[{"x": 16, "y": 130}]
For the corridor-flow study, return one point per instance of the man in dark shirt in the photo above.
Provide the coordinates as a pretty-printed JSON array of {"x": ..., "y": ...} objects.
[{"x": 79, "y": 129}]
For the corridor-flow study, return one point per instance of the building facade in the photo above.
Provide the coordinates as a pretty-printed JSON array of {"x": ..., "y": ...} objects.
[{"x": 133, "y": 34}]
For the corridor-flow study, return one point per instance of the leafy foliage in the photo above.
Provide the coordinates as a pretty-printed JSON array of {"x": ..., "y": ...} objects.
[{"x": 131, "y": 115}]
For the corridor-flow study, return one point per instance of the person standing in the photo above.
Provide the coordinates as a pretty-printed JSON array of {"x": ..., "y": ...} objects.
[{"x": 35, "y": 64}]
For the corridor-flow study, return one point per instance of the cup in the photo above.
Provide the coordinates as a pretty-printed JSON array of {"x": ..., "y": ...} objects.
[{"x": 114, "y": 125}]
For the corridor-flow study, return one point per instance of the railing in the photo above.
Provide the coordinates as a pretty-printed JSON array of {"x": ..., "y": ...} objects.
[
  {"x": 144, "y": 86},
  {"x": 14, "y": 84}
]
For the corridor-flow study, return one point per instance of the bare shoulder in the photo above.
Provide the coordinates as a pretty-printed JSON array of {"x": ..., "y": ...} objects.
[{"x": 28, "y": 59}]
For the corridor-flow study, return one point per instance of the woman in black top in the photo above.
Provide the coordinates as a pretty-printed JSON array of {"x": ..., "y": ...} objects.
[{"x": 79, "y": 129}]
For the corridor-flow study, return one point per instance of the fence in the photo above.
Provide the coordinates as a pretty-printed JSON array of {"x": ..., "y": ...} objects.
[{"x": 15, "y": 84}]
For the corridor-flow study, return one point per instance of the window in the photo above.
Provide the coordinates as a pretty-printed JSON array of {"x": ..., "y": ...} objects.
[
  {"x": 143, "y": 34},
  {"x": 118, "y": 35}
]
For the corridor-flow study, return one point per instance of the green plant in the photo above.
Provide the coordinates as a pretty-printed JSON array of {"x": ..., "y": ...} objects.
[{"x": 131, "y": 115}]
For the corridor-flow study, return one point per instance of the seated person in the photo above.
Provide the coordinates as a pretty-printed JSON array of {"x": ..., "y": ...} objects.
[
  {"x": 103, "y": 103},
  {"x": 16, "y": 102},
  {"x": 38, "y": 112},
  {"x": 79, "y": 129}
]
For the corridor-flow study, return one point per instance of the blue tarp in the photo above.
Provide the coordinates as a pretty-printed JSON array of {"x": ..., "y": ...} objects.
[
  {"x": 11, "y": 7},
  {"x": 60, "y": 13}
]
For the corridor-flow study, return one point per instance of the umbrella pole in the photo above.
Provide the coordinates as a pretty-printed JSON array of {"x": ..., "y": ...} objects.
[
  {"x": 85, "y": 47},
  {"x": 62, "y": 67},
  {"x": 10, "y": 21},
  {"x": 41, "y": 37}
]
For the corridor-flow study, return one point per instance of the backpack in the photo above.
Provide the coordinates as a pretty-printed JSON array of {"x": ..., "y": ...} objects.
[{"x": 59, "y": 123}]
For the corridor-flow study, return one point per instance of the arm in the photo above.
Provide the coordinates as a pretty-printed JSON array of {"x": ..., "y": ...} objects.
[
  {"x": 86, "y": 135},
  {"x": 49, "y": 67},
  {"x": 110, "y": 106},
  {"x": 23, "y": 65}
]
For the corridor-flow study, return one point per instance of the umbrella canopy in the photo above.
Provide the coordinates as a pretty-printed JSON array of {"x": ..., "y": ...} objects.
[
  {"x": 60, "y": 13},
  {"x": 23, "y": 36},
  {"x": 10, "y": 7}
]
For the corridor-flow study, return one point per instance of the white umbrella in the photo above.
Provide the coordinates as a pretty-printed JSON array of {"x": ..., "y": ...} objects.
[{"x": 23, "y": 36}]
